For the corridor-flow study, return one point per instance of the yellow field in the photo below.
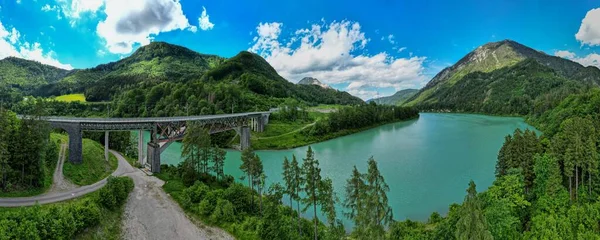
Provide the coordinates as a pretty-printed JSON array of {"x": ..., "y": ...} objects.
[{"x": 77, "y": 97}]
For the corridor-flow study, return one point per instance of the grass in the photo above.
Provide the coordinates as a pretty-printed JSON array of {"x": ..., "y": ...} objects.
[
  {"x": 76, "y": 97},
  {"x": 93, "y": 168},
  {"x": 295, "y": 138}
]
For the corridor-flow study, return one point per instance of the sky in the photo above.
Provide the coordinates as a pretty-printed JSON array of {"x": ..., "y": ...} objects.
[{"x": 368, "y": 48}]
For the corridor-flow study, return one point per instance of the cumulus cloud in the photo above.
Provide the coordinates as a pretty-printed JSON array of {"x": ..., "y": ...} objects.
[
  {"x": 333, "y": 54},
  {"x": 589, "y": 31},
  {"x": 204, "y": 21},
  {"x": 137, "y": 21},
  {"x": 11, "y": 45},
  {"x": 592, "y": 59}
]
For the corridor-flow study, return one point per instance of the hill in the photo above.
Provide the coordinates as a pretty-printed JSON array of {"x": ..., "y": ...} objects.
[
  {"x": 28, "y": 75},
  {"x": 505, "y": 78},
  {"x": 397, "y": 99},
  {"x": 161, "y": 63}
]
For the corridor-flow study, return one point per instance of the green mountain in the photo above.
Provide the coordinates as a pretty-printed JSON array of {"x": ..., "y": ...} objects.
[
  {"x": 170, "y": 66},
  {"x": 397, "y": 99},
  {"x": 505, "y": 78},
  {"x": 28, "y": 75}
]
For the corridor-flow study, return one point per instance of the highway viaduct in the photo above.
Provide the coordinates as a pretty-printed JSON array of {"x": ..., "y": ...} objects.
[{"x": 163, "y": 131}]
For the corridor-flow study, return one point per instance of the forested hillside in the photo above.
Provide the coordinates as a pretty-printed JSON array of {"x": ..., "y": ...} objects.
[
  {"x": 397, "y": 99},
  {"x": 505, "y": 78},
  {"x": 163, "y": 79}
]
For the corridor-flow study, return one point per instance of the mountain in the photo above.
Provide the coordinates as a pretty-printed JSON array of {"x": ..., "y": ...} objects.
[
  {"x": 28, "y": 75},
  {"x": 505, "y": 77},
  {"x": 312, "y": 81},
  {"x": 159, "y": 63},
  {"x": 397, "y": 99}
]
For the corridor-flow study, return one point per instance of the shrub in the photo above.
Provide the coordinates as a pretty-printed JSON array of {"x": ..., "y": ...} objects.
[
  {"x": 114, "y": 194},
  {"x": 194, "y": 194},
  {"x": 223, "y": 212}
]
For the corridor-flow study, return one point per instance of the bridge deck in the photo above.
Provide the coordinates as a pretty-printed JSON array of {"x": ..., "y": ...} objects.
[{"x": 150, "y": 119}]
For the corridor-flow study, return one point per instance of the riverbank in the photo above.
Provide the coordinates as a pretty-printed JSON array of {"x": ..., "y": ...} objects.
[{"x": 300, "y": 135}]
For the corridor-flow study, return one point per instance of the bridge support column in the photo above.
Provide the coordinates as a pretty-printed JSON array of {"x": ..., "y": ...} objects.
[
  {"x": 141, "y": 147},
  {"x": 244, "y": 137},
  {"x": 75, "y": 144},
  {"x": 106, "y": 145},
  {"x": 153, "y": 157}
]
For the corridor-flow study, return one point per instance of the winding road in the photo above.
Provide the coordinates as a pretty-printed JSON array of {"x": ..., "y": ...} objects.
[
  {"x": 149, "y": 212},
  {"x": 54, "y": 195}
]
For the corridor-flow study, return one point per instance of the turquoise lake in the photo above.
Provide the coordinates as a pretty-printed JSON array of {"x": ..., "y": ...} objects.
[{"x": 427, "y": 162}]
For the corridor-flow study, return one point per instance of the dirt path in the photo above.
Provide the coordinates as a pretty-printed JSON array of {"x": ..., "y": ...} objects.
[
  {"x": 59, "y": 182},
  {"x": 151, "y": 214}
]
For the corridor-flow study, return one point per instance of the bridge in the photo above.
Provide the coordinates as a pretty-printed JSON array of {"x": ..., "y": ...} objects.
[{"x": 163, "y": 131}]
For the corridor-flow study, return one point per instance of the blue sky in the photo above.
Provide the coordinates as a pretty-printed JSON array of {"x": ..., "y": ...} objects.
[{"x": 369, "y": 48}]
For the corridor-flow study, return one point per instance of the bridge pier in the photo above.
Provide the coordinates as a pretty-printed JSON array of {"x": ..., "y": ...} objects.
[
  {"x": 153, "y": 157},
  {"x": 141, "y": 147},
  {"x": 106, "y": 145},
  {"x": 244, "y": 137}
]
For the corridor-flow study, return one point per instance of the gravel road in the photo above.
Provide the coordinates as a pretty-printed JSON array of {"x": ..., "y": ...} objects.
[{"x": 152, "y": 214}]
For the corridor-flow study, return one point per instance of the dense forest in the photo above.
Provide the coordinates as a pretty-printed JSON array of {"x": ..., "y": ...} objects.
[{"x": 27, "y": 155}]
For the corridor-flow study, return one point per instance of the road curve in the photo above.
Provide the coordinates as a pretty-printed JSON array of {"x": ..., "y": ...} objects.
[{"x": 63, "y": 196}]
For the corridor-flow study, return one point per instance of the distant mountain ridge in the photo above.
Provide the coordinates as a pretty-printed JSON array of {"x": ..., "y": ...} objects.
[
  {"x": 156, "y": 63},
  {"x": 312, "y": 81},
  {"x": 504, "y": 77},
  {"x": 397, "y": 98}
]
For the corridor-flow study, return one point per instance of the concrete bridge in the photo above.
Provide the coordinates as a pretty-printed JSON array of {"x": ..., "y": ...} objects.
[{"x": 163, "y": 131}]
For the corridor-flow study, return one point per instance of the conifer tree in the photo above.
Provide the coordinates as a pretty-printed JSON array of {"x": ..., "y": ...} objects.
[
  {"x": 472, "y": 223},
  {"x": 312, "y": 176}
]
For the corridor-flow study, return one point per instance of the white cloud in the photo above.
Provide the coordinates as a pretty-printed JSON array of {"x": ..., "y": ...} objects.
[
  {"x": 137, "y": 21},
  {"x": 391, "y": 39},
  {"x": 18, "y": 1},
  {"x": 204, "y": 21},
  {"x": 564, "y": 54},
  {"x": 330, "y": 53},
  {"x": 592, "y": 59},
  {"x": 73, "y": 9},
  {"x": 101, "y": 52},
  {"x": 589, "y": 31},
  {"x": 401, "y": 49},
  {"x": 11, "y": 44},
  {"x": 48, "y": 8}
]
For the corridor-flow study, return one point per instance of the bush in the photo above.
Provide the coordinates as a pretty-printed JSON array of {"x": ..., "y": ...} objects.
[
  {"x": 114, "y": 194},
  {"x": 223, "y": 212},
  {"x": 194, "y": 194}
]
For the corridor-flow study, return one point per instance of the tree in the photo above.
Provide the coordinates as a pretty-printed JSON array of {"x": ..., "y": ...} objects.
[
  {"x": 380, "y": 213},
  {"x": 195, "y": 144},
  {"x": 218, "y": 159},
  {"x": 328, "y": 201},
  {"x": 472, "y": 223},
  {"x": 258, "y": 176},
  {"x": 298, "y": 182},
  {"x": 312, "y": 176},
  {"x": 575, "y": 146},
  {"x": 355, "y": 201}
]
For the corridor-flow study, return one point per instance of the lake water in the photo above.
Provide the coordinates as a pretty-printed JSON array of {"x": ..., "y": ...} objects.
[{"x": 427, "y": 162}]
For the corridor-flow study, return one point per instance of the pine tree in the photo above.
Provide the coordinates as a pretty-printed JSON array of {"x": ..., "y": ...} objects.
[
  {"x": 328, "y": 201},
  {"x": 298, "y": 183},
  {"x": 355, "y": 201},
  {"x": 218, "y": 159},
  {"x": 472, "y": 223},
  {"x": 312, "y": 176},
  {"x": 377, "y": 203}
]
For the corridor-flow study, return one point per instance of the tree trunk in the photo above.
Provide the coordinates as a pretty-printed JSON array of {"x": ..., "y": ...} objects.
[
  {"x": 570, "y": 188},
  {"x": 259, "y": 188},
  {"x": 316, "y": 220},
  {"x": 590, "y": 182},
  {"x": 299, "y": 228},
  {"x": 576, "y": 181}
]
